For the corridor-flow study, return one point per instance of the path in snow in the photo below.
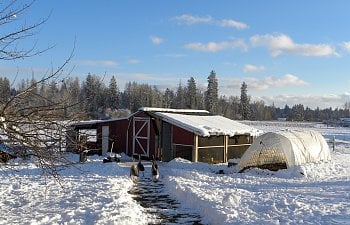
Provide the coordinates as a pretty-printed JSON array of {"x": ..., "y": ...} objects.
[{"x": 152, "y": 196}]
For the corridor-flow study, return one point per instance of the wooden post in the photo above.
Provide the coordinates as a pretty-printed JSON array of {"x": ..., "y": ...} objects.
[
  {"x": 225, "y": 148},
  {"x": 195, "y": 149}
]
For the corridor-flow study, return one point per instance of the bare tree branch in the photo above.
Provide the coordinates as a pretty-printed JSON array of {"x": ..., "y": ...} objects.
[
  {"x": 10, "y": 40},
  {"x": 32, "y": 123}
]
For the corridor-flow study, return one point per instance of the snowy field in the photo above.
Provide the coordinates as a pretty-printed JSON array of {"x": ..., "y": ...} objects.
[{"x": 97, "y": 193}]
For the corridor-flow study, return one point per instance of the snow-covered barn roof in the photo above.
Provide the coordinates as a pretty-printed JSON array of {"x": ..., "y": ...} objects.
[
  {"x": 94, "y": 122},
  {"x": 208, "y": 125},
  {"x": 89, "y": 122},
  {"x": 143, "y": 109},
  {"x": 168, "y": 110}
]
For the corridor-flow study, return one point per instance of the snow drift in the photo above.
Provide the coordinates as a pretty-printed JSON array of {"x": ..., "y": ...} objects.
[{"x": 285, "y": 149}]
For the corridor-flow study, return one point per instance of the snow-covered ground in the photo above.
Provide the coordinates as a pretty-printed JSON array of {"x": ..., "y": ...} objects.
[{"x": 97, "y": 193}]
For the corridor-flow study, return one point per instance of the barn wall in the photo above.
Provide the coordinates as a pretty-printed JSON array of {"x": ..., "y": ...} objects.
[
  {"x": 166, "y": 140},
  {"x": 183, "y": 143},
  {"x": 117, "y": 135},
  {"x": 182, "y": 136}
]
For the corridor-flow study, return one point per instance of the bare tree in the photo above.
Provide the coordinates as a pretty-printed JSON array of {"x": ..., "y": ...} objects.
[
  {"x": 16, "y": 31},
  {"x": 31, "y": 123}
]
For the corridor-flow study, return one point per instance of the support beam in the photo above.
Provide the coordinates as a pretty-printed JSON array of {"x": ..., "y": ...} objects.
[
  {"x": 195, "y": 149},
  {"x": 225, "y": 148}
]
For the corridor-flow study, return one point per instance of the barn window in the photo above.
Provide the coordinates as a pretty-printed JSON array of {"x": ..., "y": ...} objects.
[
  {"x": 211, "y": 141},
  {"x": 237, "y": 145},
  {"x": 211, "y": 154},
  {"x": 183, "y": 151},
  {"x": 211, "y": 149},
  {"x": 239, "y": 139}
]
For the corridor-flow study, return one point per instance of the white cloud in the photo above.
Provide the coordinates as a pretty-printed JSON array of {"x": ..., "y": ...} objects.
[
  {"x": 172, "y": 55},
  {"x": 346, "y": 45},
  {"x": 233, "y": 23},
  {"x": 189, "y": 19},
  {"x": 282, "y": 44},
  {"x": 248, "y": 68},
  {"x": 311, "y": 101},
  {"x": 286, "y": 80},
  {"x": 271, "y": 82},
  {"x": 97, "y": 63},
  {"x": 156, "y": 40},
  {"x": 133, "y": 61},
  {"x": 255, "y": 84},
  {"x": 217, "y": 46}
]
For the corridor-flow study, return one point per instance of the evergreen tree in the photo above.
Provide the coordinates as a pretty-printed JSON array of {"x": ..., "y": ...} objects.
[
  {"x": 244, "y": 104},
  {"x": 199, "y": 99},
  {"x": 223, "y": 106},
  {"x": 52, "y": 92},
  {"x": 257, "y": 110},
  {"x": 168, "y": 98},
  {"x": 211, "y": 95},
  {"x": 298, "y": 112},
  {"x": 234, "y": 103},
  {"x": 74, "y": 96},
  {"x": 179, "y": 101},
  {"x": 113, "y": 94},
  {"x": 5, "y": 89},
  {"x": 94, "y": 92},
  {"x": 157, "y": 97},
  {"x": 191, "y": 94}
]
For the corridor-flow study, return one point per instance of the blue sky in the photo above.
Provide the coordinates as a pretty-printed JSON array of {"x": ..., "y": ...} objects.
[{"x": 288, "y": 52}]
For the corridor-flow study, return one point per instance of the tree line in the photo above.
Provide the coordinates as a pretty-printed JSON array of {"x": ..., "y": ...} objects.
[{"x": 93, "y": 99}]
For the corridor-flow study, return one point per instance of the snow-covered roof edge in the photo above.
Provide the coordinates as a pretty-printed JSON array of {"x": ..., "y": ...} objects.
[
  {"x": 183, "y": 125},
  {"x": 91, "y": 122},
  {"x": 203, "y": 130},
  {"x": 144, "y": 109},
  {"x": 152, "y": 109}
]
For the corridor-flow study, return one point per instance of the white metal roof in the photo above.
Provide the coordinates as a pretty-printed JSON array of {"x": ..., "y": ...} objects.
[{"x": 208, "y": 125}]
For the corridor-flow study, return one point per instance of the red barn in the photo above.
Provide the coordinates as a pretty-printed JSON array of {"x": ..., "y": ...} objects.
[{"x": 166, "y": 134}]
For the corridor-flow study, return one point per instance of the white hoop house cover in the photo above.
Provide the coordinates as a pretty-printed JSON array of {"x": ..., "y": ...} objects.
[{"x": 287, "y": 146}]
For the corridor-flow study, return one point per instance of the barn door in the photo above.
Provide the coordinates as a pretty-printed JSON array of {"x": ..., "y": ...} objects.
[
  {"x": 141, "y": 136},
  {"x": 105, "y": 139}
]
